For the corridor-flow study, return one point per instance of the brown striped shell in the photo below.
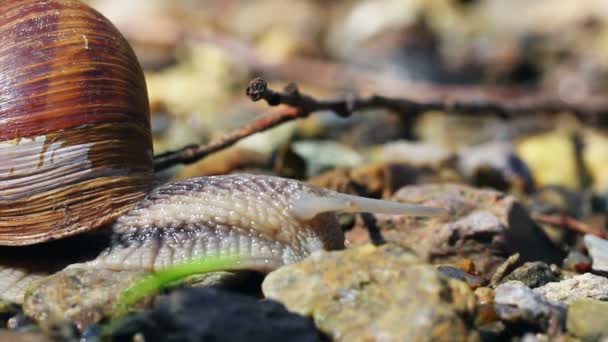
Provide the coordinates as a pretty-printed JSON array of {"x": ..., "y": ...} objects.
[{"x": 75, "y": 141}]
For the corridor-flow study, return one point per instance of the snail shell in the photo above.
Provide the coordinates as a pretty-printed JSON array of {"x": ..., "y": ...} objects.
[{"x": 75, "y": 141}]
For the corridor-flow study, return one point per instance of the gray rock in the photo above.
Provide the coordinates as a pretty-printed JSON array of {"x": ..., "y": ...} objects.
[
  {"x": 6, "y": 335},
  {"x": 588, "y": 319},
  {"x": 584, "y": 286},
  {"x": 532, "y": 274},
  {"x": 494, "y": 164},
  {"x": 482, "y": 225},
  {"x": 86, "y": 296},
  {"x": 375, "y": 293},
  {"x": 532, "y": 337},
  {"x": 324, "y": 155},
  {"x": 458, "y": 273},
  {"x": 7, "y": 310},
  {"x": 517, "y": 303},
  {"x": 82, "y": 296},
  {"x": 416, "y": 153},
  {"x": 598, "y": 250},
  {"x": 207, "y": 314}
]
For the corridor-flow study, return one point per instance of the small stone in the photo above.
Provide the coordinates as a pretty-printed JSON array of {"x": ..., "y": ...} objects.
[
  {"x": 582, "y": 286},
  {"x": 517, "y": 303},
  {"x": 484, "y": 295},
  {"x": 20, "y": 322},
  {"x": 531, "y": 337},
  {"x": 416, "y": 154},
  {"x": 598, "y": 250},
  {"x": 7, "y": 311},
  {"x": 208, "y": 314},
  {"x": 63, "y": 331},
  {"x": 588, "y": 319},
  {"x": 13, "y": 336},
  {"x": 323, "y": 155},
  {"x": 495, "y": 164},
  {"x": 481, "y": 225},
  {"x": 86, "y": 296},
  {"x": 532, "y": 274},
  {"x": 82, "y": 296},
  {"x": 485, "y": 313},
  {"x": 577, "y": 262},
  {"x": 375, "y": 293},
  {"x": 457, "y": 273},
  {"x": 92, "y": 334}
]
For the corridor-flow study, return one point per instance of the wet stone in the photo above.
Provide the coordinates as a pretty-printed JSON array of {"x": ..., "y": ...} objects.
[
  {"x": 375, "y": 293},
  {"x": 583, "y": 286},
  {"x": 207, "y": 314}
]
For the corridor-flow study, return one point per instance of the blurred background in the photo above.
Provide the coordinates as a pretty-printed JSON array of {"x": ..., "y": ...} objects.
[{"x": 549, "y": 57}]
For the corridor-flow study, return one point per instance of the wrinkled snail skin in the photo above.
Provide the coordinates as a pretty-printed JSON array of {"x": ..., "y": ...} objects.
[
  {"x": 75, "y": 141},
  {"x": 237, "y": 215},
  {"x": 267, "y": 221}
]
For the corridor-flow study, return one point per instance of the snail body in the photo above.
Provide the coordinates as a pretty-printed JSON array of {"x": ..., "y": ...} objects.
[{"x": 267, "y": 221}]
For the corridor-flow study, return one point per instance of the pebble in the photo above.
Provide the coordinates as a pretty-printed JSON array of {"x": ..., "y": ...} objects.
[
  {"x": 457, "y": 273},
  {"x": 481, "y": 225},
  {"x": 588, "y": 319},
  {"x": 598, "y": 250},
  {"x": 517, "y": 303},
  {"x": 581, "y": 286},
  {"x": 532, "y": 274},
  {"x": 209, "y": 314},
  {"x": 371, "y": 293}
]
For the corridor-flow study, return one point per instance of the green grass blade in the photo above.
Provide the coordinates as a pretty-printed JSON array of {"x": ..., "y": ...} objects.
[{"x": 156, "y": 282}]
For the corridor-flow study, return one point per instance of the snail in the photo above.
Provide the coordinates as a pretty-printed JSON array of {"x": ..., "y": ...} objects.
[{"x": 76, "y": 155}]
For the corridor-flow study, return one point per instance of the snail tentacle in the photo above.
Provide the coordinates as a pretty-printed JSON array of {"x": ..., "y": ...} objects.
[{"x": 310, "y": 205}]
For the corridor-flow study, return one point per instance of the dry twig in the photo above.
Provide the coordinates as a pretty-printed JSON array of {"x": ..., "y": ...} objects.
[
  {"x": 302, "y": 105},
  {"x": 193, "y": 153},
  {"x": 570, "y": 223},
  {"x": 291, "y": 96}
]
